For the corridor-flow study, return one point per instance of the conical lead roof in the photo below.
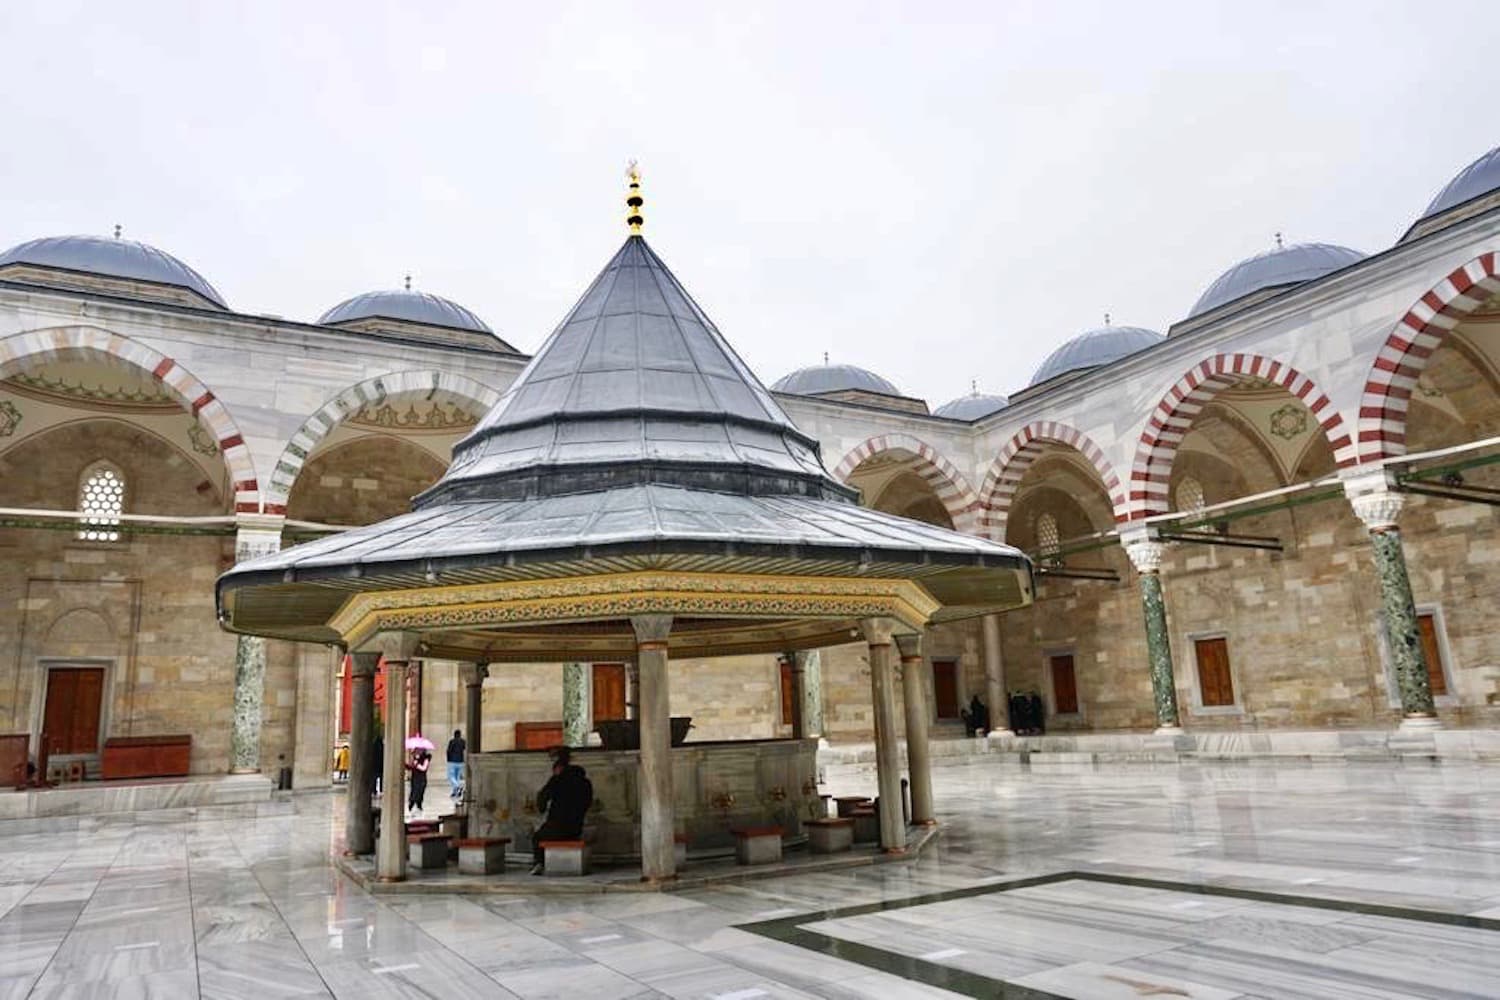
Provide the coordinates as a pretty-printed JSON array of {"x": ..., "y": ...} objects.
[{"x": 635, "y": 386}]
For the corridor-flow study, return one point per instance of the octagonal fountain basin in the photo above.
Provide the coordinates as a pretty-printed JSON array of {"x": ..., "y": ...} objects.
[{"x": 625, "y": 734}]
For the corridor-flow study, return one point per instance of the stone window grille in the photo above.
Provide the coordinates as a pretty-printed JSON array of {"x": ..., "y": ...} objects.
[
  {"x": 101, "y": 501},
  {"x": 1047, "y": 539},
  {"x": 1190, "y": 497}
]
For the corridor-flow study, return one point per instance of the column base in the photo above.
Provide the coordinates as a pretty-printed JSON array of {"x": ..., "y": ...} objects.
[
  {"x": 244, "y": 770},
  {"x": 892, "y": 852},
  {"x": 390, "y": 878},
  {"x": 658, "y": 879},
  {"x": 924, "y": 822},
  {"x": 1168, "y": 731},
  {"x": 1003, "y": 734},
  {"x": 1420, "y": 723}
]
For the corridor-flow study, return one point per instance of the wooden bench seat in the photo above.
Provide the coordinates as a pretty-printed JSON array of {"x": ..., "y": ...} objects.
[
  {"x": 848, "y": 803},
  {"x": 565, "y": 857},
  {"x": 830, "y": 836},
  {"x": 427, "y": 850},
  {"x": 481, "y": 855},
  {"x": 866, "y": 824},
  {"x": 757, "y": 845}
]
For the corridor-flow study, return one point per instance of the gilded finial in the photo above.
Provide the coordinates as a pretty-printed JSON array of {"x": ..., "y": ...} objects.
[
  {"x": 1106, "y": 319},
  {"x": 118, "y": 230},
  {"x": 973, "y": 387},
  {"x": 1278, "y": 241},
  {"x": 825, "y": 359},
  {"x": 408, "y": 282},
  {"x": 633, "y": 200}
]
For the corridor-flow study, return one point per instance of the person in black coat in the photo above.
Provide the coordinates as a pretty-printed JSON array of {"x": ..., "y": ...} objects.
[{"x": 565, "y": 799}]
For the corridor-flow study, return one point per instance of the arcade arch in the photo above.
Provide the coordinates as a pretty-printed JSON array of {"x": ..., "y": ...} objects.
[
  {"x": 1027, "y": 446},
  {"x": 901, "y": 474}
]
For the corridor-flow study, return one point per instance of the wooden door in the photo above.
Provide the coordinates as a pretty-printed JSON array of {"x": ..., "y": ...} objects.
[
  {"x": 71, "y": 716},
  {"x": 609, "y": 691},
  {"x": 1064, "y": 685},
  {"x": 945, "y": 688},
  {"x": 1427, "y": 626},
  {"x": 1214, "y": 683}
]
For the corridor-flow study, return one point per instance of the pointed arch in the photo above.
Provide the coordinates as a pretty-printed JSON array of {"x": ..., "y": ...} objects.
[
  {"x": 951, "y": 486},
  {"x": 1173, "y": 417},
  {"x": 441, "y": 386},
  {"x": 1015, "y": 458},
  {"x": 1403, "y": 356},
  {"x": 62, "y": 342}
]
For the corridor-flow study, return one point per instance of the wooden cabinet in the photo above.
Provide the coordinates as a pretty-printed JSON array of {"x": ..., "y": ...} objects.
[
  {"x": 147, "y": 757},
  {"x": 538, "y": 735}
]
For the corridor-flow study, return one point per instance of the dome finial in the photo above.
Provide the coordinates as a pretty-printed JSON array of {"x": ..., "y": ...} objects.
[
  {"x": 1106, "y": 319},
  {"x": 633, "y": 199},
  {"x": 825, "y": 359},
  {"x": 408, "y": 282},
  {"x": 973, "y": 387},
  {"x": 1278, "y": 241},
  {"x": 118, "y": 230}
]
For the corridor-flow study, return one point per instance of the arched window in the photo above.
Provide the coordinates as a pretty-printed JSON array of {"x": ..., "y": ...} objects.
[
  {"x": 1190, "y": 498},
  {"x": 101, "y": 501},
  {"x": 1047, "y": 539}
]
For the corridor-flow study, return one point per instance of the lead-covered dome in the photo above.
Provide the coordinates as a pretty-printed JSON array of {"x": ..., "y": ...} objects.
[
  {"x": 104, "y": 257},
  {"x": 816, "y": 380},
  {"x": 971, "y": 407},
  {"x": 405, "y": 306},
  {"x": 1479, "y": 178},
  {"x": 1093, "y": 348},
  {"x": 1278, "y": 268}
]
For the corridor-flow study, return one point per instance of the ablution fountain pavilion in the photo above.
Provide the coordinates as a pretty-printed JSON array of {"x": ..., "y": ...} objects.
[{"x": 635, "y": 495}]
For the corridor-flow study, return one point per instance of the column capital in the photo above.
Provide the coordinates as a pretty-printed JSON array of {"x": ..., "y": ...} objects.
[
  {"x": 651, "y": 628},
  {"x": 396, "y": 647},
  {"x": 365, "y": 663},
  {"x": 910, "y": 645},
  {"x": 1374, "y": 498},
  {"x": 1145, "y": 549},
  {"x": 475, "y": 674},
  {"x": 257, "y": 535},
  {"x": 877, "y": 631}
]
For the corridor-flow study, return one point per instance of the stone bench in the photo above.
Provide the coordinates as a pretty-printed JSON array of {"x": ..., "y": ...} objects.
[
  {"x": 866, "y": 824},
  {"x": 481, "y": 855},
  {"x": 848, "y": 803},
  {"x": 829, "y": 836},
  {"x": 427, "y": 850},
  {"x": 565, "y": 857},
  {"x": 757, "y": 845}
]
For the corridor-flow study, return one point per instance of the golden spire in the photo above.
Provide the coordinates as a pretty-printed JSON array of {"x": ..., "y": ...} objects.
[{"x": 633, "y": 200}]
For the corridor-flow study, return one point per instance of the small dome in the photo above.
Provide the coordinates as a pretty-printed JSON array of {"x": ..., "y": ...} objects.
[
  {"x": 1093, "y": 348},
  {"x": 112, "y": 258},
  {"x": 405, "y": 306},
  {"x": 818, "y": 379},
  {"x": 971, "y": 407},
  {"x": 1480, "y": 177},
  {"x": 1288, "y": 265}
]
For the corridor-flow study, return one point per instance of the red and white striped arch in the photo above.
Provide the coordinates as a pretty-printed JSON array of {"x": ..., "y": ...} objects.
[
  {"x": 1388, "y": 389},
  {"x": 1010, "y": 466},
  {"x": 22, "y": 350},
  {"x": 1174, "y": 415},
  {"x": 950, "y": 485},
  {"x": 434, "y": 385}
]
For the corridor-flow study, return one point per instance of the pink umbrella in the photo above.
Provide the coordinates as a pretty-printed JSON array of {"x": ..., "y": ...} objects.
[{"x": 419, "y": 742}]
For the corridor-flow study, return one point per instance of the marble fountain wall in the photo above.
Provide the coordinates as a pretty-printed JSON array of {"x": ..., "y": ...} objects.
[{"x": 717, "y": 786}]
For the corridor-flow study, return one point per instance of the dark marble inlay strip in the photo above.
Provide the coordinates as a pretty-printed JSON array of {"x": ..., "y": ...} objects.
[{"x": 791, "y": 930}]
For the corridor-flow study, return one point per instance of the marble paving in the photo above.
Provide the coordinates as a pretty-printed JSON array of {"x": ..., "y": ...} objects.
[{"x": 1189, "y": 880}]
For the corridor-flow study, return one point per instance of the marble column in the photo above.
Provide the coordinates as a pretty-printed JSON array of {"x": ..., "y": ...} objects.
[
  {"x": 1146, "y": 553},
  {"x": 359, "y": 824},
  {"x": 799, "y": 694},
  {"x": 390, "y": 853},
  {"x": 1378, "y": 505},
  {"x": 882, "y": 652},
  {"x": 575, "y": 704},
  {"x": 653, "y": 709},
  {"x": 474, "y": 679},
  {"x": 918, "y": 754},
  {"x": 994, "y": 678},
  {"x": 255, "y": 535},
  {"x": 812, "y": 691}
]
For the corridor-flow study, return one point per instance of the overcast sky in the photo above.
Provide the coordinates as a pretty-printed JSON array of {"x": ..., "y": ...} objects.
[{"x": 937, "y": 192}]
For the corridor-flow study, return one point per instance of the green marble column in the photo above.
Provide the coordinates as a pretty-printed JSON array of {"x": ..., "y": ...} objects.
[
  {"x": 249, "y": 693},
  {"x": 812, "y": 692},
  {"x": 575, "y": 704},
  {"x": 1402, "y": 634},
  {"x": 1159, "y": 649},
  {"x": 256, "y": 535}
]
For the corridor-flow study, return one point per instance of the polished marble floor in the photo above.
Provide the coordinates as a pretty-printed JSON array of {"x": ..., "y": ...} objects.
[{"x": 1246, "y": 880}]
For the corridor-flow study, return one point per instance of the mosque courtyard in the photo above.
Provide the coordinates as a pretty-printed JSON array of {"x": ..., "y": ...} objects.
[{"x": 1190, "y": 880}]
